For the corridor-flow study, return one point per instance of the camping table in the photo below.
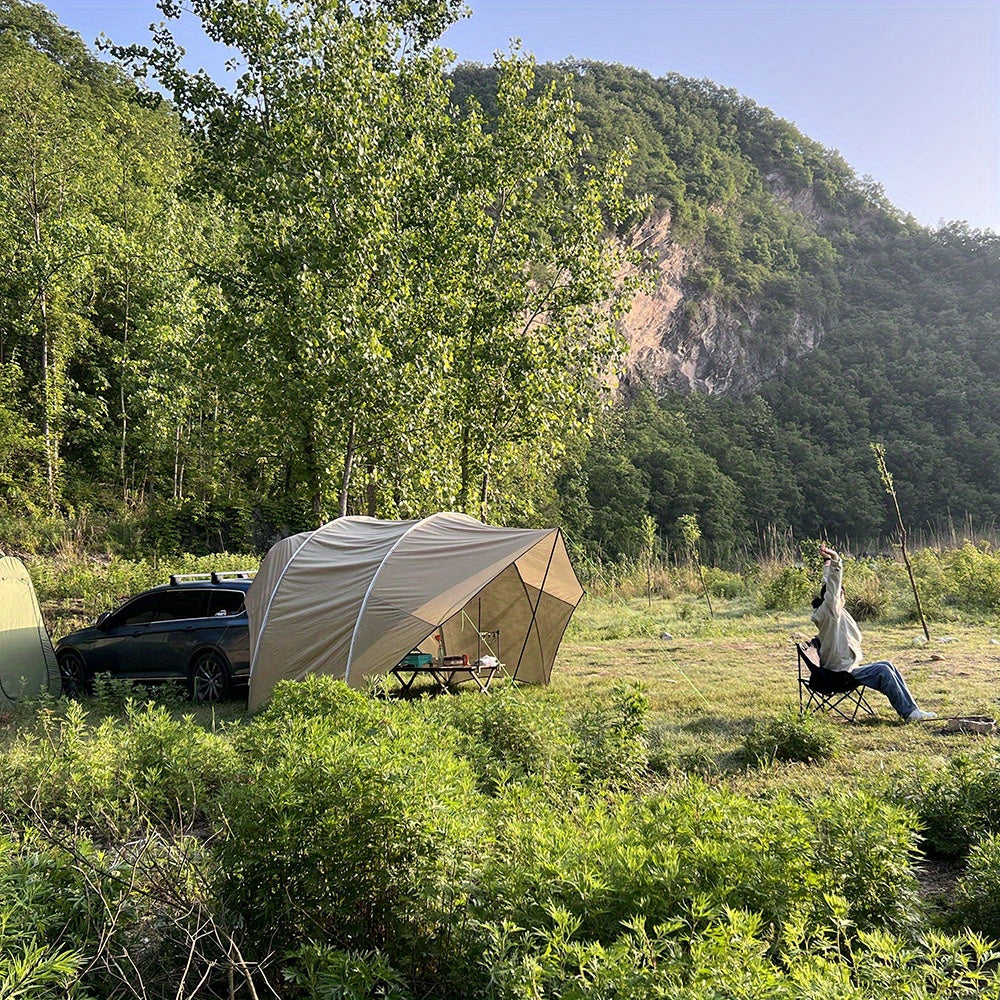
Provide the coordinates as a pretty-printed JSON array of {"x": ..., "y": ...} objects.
[{"x": 447, "y": 677}]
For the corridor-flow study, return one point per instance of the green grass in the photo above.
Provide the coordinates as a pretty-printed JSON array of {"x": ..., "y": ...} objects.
[{"x": 713, "y": 680}]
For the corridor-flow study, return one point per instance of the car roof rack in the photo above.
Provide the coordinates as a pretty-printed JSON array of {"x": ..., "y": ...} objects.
[
  {"x": 176, "y": 578},
  {"x": 214, "y": 577}
]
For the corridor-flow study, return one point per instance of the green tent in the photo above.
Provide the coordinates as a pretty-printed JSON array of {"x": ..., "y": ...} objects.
[{"x": 27, "y": 661}]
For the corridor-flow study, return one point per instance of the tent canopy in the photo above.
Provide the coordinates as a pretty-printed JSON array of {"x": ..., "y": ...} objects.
[
  {"x": 352, "y": 598},
  {"x": 27, "y": 661}
]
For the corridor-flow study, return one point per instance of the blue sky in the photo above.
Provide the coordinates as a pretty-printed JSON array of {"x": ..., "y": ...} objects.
[{"x": 907, "y": 90}]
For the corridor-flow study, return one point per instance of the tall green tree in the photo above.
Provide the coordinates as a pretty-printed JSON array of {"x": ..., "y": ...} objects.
[
  {"x": 52, "y": 166},
  {"x": 408, "y": 288}
]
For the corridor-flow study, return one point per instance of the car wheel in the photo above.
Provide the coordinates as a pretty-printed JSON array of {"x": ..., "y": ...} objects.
[
  {"x": 209, "y": 679},
  {"x": 73, "y": 673}
]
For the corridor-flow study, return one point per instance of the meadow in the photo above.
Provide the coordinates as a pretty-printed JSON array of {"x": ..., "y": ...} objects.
[{"x": 658, "y": 822}]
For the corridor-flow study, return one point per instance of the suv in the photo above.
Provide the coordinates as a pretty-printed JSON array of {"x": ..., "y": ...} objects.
[{"x": 193, "y": 629}]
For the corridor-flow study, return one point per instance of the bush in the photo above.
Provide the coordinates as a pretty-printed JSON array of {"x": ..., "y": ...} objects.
[
  {"x": 680, "y": 860},
  {"x": 721, "y": 583},
  {"x": 808, "y": 739},
  {"x": 866, "y": 599},
  {"x": 354, "y": 830},
  {"x": 612, "y": 748},
  {"x": 785, "y": 588},
  {"x": 959, "y": 804},
  {"x": 36, "y": 904},
  {"x": 977, "y": 897},
  {"x": 118, "y": 773},
  {"x": 511, "y": 736},
  {"x": 975, "y": 572}
]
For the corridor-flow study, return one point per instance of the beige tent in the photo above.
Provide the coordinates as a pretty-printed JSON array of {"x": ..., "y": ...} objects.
[
  {"x": 352, "y": 598},
  {"x": 27, "y": 662}
]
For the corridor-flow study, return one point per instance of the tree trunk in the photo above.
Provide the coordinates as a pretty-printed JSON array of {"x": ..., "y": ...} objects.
[
  {"x": 371, "y": 490},
  {"x": 314, "y": 479},
  {"x": 345, "y": 483}
]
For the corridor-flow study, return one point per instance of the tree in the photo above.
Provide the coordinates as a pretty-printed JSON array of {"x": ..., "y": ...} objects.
[
  {"x": 51, "y": 170},
  {"x": 408, "y": 288}
]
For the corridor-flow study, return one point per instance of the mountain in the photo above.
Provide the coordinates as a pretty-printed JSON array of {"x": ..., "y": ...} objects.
[{"x": 796, "y": 317}]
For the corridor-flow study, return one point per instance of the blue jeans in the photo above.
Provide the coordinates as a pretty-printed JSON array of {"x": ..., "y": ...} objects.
[{"x": 884, "y": 677}]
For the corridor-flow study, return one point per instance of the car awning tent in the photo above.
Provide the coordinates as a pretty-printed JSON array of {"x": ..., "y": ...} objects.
[
  {"x": 352, "y": 598},
  {"x": 27, "y": 661}
]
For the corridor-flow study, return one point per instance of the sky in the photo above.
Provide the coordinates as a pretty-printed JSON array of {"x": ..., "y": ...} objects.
[{"x": 908, "y": 91}]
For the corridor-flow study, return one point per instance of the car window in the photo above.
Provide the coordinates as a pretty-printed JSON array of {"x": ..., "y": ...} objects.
[
  {"x": 225, "y": 602},
  {"x": 137, "y": 612},
  {"x": 177, "y": 605}
]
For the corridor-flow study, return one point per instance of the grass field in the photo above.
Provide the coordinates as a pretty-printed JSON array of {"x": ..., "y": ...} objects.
[{"x": 712, "y": 681}]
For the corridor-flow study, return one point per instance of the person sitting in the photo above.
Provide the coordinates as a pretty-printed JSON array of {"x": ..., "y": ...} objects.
[{"x": 840, "y": 643}]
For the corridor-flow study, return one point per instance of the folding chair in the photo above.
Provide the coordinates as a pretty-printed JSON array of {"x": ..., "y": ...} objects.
[{"x": 828, "y": 690}]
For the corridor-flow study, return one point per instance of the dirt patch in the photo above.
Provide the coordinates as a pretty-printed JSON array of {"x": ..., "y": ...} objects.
[{"x": 937, "y": 877}]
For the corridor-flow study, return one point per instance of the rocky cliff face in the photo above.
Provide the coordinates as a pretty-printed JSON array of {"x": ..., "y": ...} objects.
[{"x": 696, "y": 343}]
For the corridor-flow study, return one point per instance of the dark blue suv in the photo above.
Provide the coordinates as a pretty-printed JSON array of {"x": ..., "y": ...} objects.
[{"x": 192, "y": 629}]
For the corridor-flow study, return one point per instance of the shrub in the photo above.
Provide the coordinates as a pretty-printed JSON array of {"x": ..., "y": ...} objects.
[
  {"x": 511, "y": 737},
  {"x": 148, "y": 765},
  {"x": 977, "y": 897},
  {"x": 721, "y": 583},
  {"x": 808, "y": 739},
  {"x": 356, "y": 835},
  {"x": 612, "y": 746},
  {"x": 785, "y": 588},
  {"x": 322, "y": 971},
  {"x": 975, "y": 573},
  {"x": 866, "y": 597},
  {"x": 958, "y": 804},
  {"x": 35, "y": 907},
  {"x": 684, "y": 858}
]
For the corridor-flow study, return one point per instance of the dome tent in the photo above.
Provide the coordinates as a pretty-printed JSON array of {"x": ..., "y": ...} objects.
[
  {"x": 27, "y": 662},
  {"x": 352, "y": 598}
]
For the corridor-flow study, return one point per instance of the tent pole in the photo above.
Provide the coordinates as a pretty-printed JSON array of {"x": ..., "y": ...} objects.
[{"x": 534, "y": 609}]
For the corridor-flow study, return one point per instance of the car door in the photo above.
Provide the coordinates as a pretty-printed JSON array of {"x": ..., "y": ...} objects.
[
  {"x": 118, "y": 647},
  {"x": 173, "y": 635},
  {"x": 228, "y": 613}
]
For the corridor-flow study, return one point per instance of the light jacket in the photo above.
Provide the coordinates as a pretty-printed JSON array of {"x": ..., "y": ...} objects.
[{"x": 839, "y": 635}]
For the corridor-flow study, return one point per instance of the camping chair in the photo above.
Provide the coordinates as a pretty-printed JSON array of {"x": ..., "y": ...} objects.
[{"x": 827, "y": 690}]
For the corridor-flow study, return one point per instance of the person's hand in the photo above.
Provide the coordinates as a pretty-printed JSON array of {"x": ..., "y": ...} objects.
[{"x": 826, "y": 552}]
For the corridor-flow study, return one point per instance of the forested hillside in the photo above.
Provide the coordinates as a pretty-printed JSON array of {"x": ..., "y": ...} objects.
[
  {"x": 852, "y": 323},
  {"x": 232, "y": 314}
]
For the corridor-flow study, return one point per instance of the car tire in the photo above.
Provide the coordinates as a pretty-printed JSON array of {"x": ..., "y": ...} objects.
[
  {"x": 208, "y": 678},
  {"x": 73, "y": 673}
]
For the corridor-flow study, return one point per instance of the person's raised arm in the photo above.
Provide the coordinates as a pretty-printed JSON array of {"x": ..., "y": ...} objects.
[{"x": 833, "y": 570}]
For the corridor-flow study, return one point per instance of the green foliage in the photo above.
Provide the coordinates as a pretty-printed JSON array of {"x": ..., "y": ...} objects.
[
  {"x": 867, "y": 598},
  {"x": 785, "y": 588},
  {"x": 354, "y": 828},
  {"x": 959, "y": 804},
  {"x": 722, "y": 583},
  {"x": 323, "y": 971},
  {"x": 682, "y": 860},
  {"x": 612, "y": 747},
  {"x": 975, "y": 571},
  {"x": 113, "y": 774},
  {"x": 977, "y": 894},
  {"x": 512, "y": 738},
  {"x": 36, "y": 907},
  {"x": 793, "y": 737}
]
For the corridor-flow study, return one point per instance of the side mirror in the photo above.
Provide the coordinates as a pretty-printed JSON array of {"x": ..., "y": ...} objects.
[{"x": 102, "y": 618}]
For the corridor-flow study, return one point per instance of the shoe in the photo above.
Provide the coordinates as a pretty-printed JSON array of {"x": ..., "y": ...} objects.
[{"x": 919, "y": 715}]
